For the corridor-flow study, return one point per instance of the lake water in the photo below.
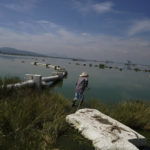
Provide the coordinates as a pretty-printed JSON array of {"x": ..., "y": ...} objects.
[{"x": 108, "y": 85}]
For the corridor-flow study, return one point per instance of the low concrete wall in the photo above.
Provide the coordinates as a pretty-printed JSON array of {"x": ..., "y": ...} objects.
[{"x": 38, "y": 80}]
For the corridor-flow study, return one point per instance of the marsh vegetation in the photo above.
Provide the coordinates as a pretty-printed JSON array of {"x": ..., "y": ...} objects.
[{"x": 35, "y": 119}]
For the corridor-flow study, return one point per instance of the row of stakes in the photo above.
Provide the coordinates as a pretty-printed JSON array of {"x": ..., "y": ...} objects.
[{"x": 103, "y": 66}]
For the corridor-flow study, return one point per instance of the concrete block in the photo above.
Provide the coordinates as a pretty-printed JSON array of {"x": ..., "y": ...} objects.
[{"x": 104, "y": 132}]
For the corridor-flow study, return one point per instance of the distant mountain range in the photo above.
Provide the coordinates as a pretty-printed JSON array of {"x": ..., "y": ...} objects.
[{"x": 14, "y": 51}]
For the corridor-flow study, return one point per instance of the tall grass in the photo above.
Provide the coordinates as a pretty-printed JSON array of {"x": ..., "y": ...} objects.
[
  {"x": 97, "y": 104},
  {"x": 4, "y": 92},
  {"x": 135, "y": 114},
  {"x": 31, "y": 118},
  {"x": 9, "y": 80},
  {"x": 35, "y": 119}
]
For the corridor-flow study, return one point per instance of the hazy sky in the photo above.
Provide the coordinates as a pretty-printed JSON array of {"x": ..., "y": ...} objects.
[{"x": 98, "y": 29}]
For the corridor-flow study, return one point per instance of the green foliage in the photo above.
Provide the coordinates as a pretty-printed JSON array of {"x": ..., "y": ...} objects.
[
  {"x": 133, "y": 113},
  {"x": 137, "y": 69},
  {"x": 4, "y": 92},
  {"x": 75, "y": 141},
  {"x": 102, "y": 66},
  {"x": 35, "y": 119},
  {"x": 32, "y": 119},
  {"x": 97, "y": 104},
  {"x": 9, "y": 80}
]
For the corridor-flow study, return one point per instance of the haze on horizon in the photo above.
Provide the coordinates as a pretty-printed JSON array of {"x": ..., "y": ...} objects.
[{"x": 116, "y": 30}]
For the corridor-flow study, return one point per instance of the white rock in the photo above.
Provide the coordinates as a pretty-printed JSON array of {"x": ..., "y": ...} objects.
[{"x": 105, "y": 132}]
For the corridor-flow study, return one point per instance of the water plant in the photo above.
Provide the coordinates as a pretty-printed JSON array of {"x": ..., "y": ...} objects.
[
  {"x": 90, "y": 65},
  {"x": 137, "y": 69},
  {"x": 102, "y": 66},
  {"x": 146, "y": 70}
]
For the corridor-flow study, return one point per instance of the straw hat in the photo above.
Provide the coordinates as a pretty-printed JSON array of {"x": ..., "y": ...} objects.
[{"x": 83, "y": 74}]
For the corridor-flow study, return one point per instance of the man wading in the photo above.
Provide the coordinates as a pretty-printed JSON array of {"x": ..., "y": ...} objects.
[{"x": 81, "y": 84}]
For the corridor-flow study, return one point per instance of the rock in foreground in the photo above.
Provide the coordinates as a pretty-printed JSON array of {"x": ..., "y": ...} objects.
[{"x": 105, "y": 132}]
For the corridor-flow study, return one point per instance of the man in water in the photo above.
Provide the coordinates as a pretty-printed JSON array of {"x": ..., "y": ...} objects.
[{"x": 81, "y": 85}]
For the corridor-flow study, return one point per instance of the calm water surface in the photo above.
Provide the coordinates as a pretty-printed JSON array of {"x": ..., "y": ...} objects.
[{"x": 108, "y": 85}]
